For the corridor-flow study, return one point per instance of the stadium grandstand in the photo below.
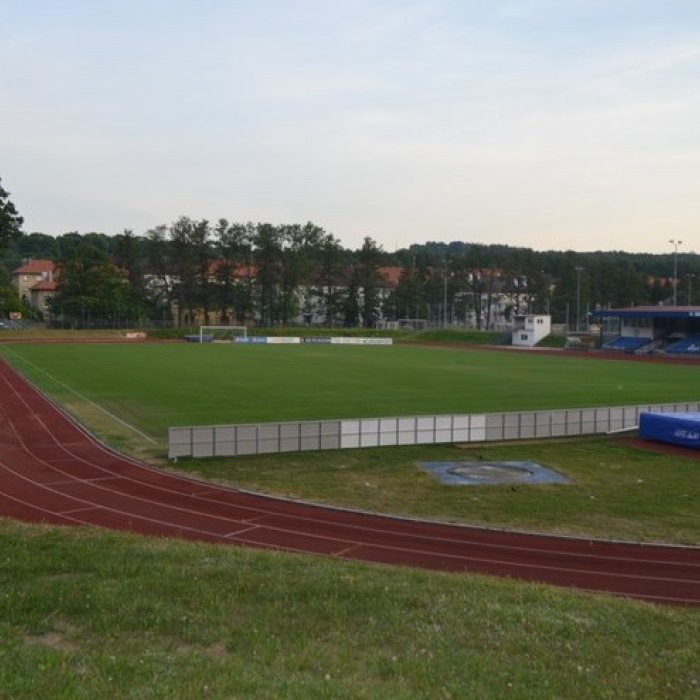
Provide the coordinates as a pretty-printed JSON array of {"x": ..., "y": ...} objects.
[{"x": 650, "y": 329}]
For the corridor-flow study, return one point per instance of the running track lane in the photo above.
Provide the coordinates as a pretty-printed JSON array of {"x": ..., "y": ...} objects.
[{"x": 52, "y": 471}]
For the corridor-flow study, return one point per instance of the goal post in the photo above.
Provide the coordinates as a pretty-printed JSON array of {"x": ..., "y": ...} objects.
[{"x": 221, "y": 334}]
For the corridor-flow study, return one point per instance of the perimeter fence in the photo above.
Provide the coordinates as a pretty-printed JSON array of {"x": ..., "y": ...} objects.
[{"x": 299, "y": 436}]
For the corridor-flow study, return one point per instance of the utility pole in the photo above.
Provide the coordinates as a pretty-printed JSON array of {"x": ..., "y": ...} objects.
[
  {"x": 578, "y": 299},
  {"x": 690, "y": 281},
  {"x": 675, "y": 243},
  {"x": 444, "y": 296}
]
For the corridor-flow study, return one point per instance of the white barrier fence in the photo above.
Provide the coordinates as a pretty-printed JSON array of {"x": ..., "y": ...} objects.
[
  {"x": 314, "y": 340},
  {"x": 299, "y": 436}
]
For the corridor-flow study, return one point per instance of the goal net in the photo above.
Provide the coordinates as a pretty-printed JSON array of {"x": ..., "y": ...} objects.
[{"x": 221, "y": 334}]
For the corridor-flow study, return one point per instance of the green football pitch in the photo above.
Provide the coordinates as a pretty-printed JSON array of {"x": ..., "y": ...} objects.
[{"x": 153, "y": 386}]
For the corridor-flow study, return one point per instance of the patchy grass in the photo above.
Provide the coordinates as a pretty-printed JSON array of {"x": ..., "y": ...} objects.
[{"x": 85, "y": 614}]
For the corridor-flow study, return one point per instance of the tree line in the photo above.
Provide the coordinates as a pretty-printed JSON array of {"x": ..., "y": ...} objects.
[
  {"x": 191, "y": 269},
  {"x": 254, "y": 273}
]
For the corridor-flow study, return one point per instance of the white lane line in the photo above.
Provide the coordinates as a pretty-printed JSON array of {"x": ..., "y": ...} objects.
[
  {"x": 467, "y": 558},
  {"x": 235, "y": 533},
  {"x": 100, "y": 507},
  {"x": 73, "y": 511},
  {"x": 131, "y": 498},
  {"x": 84, "y": 398},
  {"x": 346, "y": 551},
  {"x": 71, "y": 480}
]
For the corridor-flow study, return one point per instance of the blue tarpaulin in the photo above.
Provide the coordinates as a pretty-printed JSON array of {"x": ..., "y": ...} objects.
[{"x": 676, "y": 428}]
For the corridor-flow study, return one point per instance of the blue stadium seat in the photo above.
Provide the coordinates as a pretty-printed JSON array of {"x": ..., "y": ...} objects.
[
  {"x": 626, "y": 344},
  {"x": 689, "y": 345}
]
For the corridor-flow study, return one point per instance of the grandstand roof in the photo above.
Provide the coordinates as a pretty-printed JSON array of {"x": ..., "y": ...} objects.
[{"x": 649, "y": 312}]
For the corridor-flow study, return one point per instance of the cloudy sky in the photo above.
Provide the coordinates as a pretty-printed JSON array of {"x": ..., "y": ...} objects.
[{"x": 562, "y": 124}]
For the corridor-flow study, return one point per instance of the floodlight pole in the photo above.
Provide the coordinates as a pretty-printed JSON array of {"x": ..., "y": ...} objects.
[
  {"x": 444, "y": 297},
  {"x": 690, "y": 281},
  {"x": 578, "y": 299},
  {"x": 675, "y": 243}
]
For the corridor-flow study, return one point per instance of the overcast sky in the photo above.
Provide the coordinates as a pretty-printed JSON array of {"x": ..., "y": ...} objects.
[{"x": 563, "y": 124}]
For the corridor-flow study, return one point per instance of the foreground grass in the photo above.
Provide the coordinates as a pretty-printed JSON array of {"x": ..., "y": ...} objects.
[
  {"x": 616, "y": 490},
  {"x": 85, "y": 614}
]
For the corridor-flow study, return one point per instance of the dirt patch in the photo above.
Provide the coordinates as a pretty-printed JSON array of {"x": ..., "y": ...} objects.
[
  {"x": 52, "y": 640},
  {"x": 661, "y": 447}
]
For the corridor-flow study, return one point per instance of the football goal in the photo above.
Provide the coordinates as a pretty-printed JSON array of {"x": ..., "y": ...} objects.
[{"x": 221, "y": 334}]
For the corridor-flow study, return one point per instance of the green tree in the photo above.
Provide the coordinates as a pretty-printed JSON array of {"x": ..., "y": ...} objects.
[
  {"x": 10, "y": 221},
  {"x": 328, "y": 291},
  {"x": 203, "y": 256},
  {"x": 234, "y": 290},
  {"x": 189, "y": 247},
  {"x": 9, "y": 299},
  {"x": 92, "y": 290},
  {"x": 351, "y": 305},
  {"x": 37, "y": 245},
  {"x": 68, "y": 243},
  {"x": 370, "y": 257},
  {"x": 159, "y": 277},
  {"x": 407, "y": 300},
  {"x": 268, "y": 261},
  {"x": 300, "y": 263},
  {"x": 130, "y": 258}
]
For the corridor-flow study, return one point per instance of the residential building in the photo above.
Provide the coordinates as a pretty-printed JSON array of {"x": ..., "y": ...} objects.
[{"x": 35, "y": 282}]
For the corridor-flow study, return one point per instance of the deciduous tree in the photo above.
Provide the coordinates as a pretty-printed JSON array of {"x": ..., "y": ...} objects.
[
  {"x": 91, "y": 288},
  {"x": 10, "y": 220}
]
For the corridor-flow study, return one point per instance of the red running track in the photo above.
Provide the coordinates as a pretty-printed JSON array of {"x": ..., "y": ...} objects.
[{"x": 52, "y": 471}]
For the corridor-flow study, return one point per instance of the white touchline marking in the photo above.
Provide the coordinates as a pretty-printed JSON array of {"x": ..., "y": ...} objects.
[{"x": 84, "y": 398}]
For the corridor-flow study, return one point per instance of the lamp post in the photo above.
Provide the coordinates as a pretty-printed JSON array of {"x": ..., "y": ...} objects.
[
  {"x": 578, "y": 298},
  {"x": 675, "y": 243},
  {"x": 444, "y": 297},
  {"x": 690, "y": 282}
]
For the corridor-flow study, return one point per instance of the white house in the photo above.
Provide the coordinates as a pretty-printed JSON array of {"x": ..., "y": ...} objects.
[{"x": 529, "y": 329}]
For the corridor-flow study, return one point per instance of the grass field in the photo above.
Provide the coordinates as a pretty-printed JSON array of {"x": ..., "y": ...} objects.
[{"x": 157, "y": 385}]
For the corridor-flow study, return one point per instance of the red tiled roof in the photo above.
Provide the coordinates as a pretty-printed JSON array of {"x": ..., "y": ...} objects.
[
  {"x": 663, "y": 281},
  {"x": 391, "y": 275},
  {"x": 44, "y": 286},
  {"x": 237, "y": 271},
  {"x": 35, "y": 267}
]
